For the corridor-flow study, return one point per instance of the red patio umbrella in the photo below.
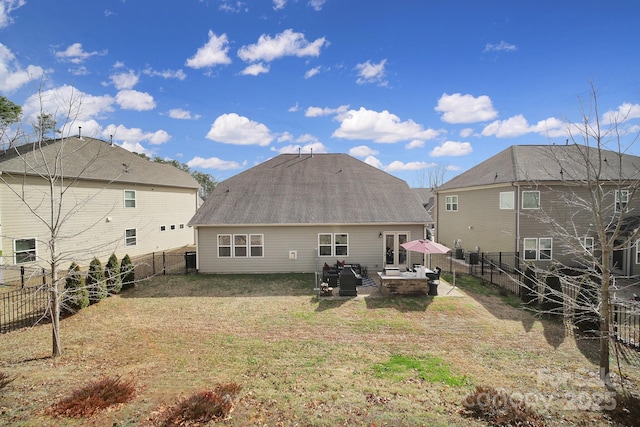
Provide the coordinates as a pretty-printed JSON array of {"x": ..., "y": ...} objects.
[{"x": 425, "y": 246}]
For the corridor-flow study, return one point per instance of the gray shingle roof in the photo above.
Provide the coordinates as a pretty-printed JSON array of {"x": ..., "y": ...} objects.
[
  {"x": 305, "y": 189},
  {"x": 537, "y": 163},
  {"x": 93, "y": 159}
]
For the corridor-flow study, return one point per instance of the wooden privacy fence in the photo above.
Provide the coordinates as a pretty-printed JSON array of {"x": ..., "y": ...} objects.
[{"x": 26, "y": 306}]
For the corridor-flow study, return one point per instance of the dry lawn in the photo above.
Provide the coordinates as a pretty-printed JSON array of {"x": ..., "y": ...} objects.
[{"x": 303, "y": 360}]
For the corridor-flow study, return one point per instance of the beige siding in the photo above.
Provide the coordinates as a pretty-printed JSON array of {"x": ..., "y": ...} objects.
[
  {"x": 365, "y": 247},
  {"x": 94, "y": 220},
  {"x": 479, "y": 221}
]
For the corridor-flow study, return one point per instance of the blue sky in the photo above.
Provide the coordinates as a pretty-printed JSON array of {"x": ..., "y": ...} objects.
[{"x": 406, "y": 86}]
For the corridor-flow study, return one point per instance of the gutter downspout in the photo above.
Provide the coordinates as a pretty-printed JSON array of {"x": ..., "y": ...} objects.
[{"x": 517, "y": 202}]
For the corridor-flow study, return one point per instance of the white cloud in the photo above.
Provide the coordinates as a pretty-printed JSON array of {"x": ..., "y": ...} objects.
[
  {"x": 315, "y": 147},
  {"x": 466, "y": 132},
  {"x": 416, "y": 143},
  {"x": 372, "y": 73},
  {"x": 312, "y": 72},
  {"x": 458, "y": 108},
  {"x": 517, "y": 126},
  {"x": 284, "y": 44},
  {"x": 285, "y": 137},
  {"x": 80, "y": 107},
  {"x": 452, "y": 148},
  {"x": 135, "y": 135},
  {"x": 411, "y": 166},
  {"x": 319, "y": 112},
  {"x": 317, "y": 4},
  {"x": 214, "y": 52},
  {"x": 80, "y": 71},
  {"x": 213, "y": 163},
  {"x": 500, "y": 47},
  {"x": 234, "y": 129},
  {"x": 382, "y": 127},
  {"x": 135, "y": 100},
  {"x": 362, "y": 151},
  {"x": 6, "y": 7},
  {"x": 180, "y": 114},
  {"x": 373, "y": 161},
  {"x": 12, "y": 76},
  {"x": 125, "y": 80},
  {"x": 136, "y": 147},
  {"x": 626, "y": 111},
  {"x": 294, "y": 108},
  {"x": 279, "y": 4},
  {"x": 76, "y": 54},
  {"x": 255, "y": 69},
  {"x": 165, "y": 74}
]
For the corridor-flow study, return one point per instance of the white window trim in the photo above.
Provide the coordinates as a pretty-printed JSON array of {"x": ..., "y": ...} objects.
[
  {"x": 126, "y": 238},
  {"x": 538, "y": 249},
  {"x": 589, "y": 245},
  {"x": 449, "y": 205},
  {"x": 637, "y": 251},
  {"x": 619, "y": 207},
  {"x": 503, "y": 200},
  {"x": 15, "y": 253},
  {"x": 232, "y": 246},
  {"x": 524, "y": 198},
  {"x": 135, "y": 199},
  {"x": 333, "y": 245}
]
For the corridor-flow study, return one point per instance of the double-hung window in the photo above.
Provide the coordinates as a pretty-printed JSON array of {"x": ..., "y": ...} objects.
[
  {"x": 129, "y": 198},
  {"x": 130, "y": 237},
  {"x": 622, "y": 199},
  {"x": 530, "y": 200},
  {"x": 589, "y": 244},
  {"x": 507, "y": 199},
  {"x": 24, "y": 250},
  {"x": 333, "y": 244},
  {"x": 240, "y": 245},
  {"x": 451, "y": 203},
  {"x": 538, "y": 249}
]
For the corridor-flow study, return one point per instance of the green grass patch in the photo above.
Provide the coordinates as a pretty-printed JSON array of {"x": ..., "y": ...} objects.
[{"x": 428, "y": 368}]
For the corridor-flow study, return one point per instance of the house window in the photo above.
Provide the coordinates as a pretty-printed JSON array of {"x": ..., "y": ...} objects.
[
  {"x": 530, "y": 200},
  {"x": 163, "y": 227},
  {"x": 181, "y": 226},
  {"x": 451, "y": 203},
  {"x": 588, "y": 245},
  {"x": 333, "y": 244},
  {"x": 24, "y": 250},
  {"x": 173, "y": 226},
  {"x": 538, "y": 249},
  {"x": 257, "y": 245},
  {"x": 638, "y": 252},
  {"x": 507, "y": 199},
  {"x": 622, "y": 199},
  {"x": 130, "y": 237},
  {"x": 240, "y": 245},
  {"x": 129, "y": 198},
  {"x": 224, "y": 245}
]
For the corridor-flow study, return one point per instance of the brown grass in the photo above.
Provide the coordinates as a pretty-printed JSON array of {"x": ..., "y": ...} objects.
[{"x": 304, "y": 360}]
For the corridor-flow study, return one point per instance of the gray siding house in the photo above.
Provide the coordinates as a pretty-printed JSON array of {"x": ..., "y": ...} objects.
[
  {"x": 296, "y": 212},
  {"x": 508, "y": 203},
  {"x": 115, "y": 202}
]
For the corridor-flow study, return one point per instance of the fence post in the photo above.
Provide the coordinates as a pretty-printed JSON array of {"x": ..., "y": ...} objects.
[
  {"x": 44, "y": 278},
  {"x": 153, "y": 263},
  {"x": 22, "y": 276},
  {"x": 164, "y": 264}
]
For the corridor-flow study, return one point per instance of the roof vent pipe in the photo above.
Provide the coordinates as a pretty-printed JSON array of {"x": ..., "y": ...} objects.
[
  {"x": 299, "y": 149},
  {"x": 111, "y": 140},
  {"x": 79, "y": 132},
  {"x": 311, "y": 152}
]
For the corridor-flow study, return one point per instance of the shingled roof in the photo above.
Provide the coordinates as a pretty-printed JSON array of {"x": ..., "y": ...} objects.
[
  {"x": 305, "y": 189},
  {"x": 92, "y": 159},
  {"x": 539, "y": 163}
]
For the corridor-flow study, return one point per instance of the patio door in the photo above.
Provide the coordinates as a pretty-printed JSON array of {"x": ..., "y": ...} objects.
[{"x": 395, "y": 255}]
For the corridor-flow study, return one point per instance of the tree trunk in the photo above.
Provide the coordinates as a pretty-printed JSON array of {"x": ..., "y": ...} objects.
[{"x": 55, "y": 319}]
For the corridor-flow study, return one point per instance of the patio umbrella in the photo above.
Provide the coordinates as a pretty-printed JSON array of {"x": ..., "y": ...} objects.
[{"x": 425, "y": 246}]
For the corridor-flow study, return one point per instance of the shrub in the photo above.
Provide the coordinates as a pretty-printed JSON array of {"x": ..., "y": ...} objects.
[
  {"x": 586, "y": 313},
  {"x": 127, "y": 272},
  {"x": 499, "y": 409},
  {"x": 96, "y": 283},
  {"x": 77, "y": 293},
  {"x": 94, "y": 398},
  {"x": 112, "y": 275},
  {"x": 552, "y": 301},
  {"x": 201, "y": 407}
]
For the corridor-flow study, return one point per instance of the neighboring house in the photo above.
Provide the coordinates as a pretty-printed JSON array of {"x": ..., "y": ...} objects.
[
  {"x": 499, "y": 205},
  {"x": 425, "y": 196},
  {"x": 296, "y": 212},
  {"x": 117, "y": 202}
]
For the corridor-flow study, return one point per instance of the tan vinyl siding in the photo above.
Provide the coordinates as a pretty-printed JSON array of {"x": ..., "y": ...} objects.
[
  {"x": 479, "y": 221},
  {"x": 365, "y": 247},
  {"x": 96, "y": 219}
]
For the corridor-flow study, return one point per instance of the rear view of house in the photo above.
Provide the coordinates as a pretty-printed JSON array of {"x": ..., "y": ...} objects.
[{"x": 293, "y": 213}]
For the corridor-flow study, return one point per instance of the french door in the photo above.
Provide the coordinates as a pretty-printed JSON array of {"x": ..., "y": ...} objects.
[{"x": 395, "y": 255}]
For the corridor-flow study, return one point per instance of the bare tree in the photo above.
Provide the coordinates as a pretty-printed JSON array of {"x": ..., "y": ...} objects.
[
  {"x": 594, "y": 216},
  {"x": 51, "y": 201},
  {"x": 431, "y": 177}
]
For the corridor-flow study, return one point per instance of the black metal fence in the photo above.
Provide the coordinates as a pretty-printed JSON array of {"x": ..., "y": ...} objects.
[{"x": 26, "y": 299}]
